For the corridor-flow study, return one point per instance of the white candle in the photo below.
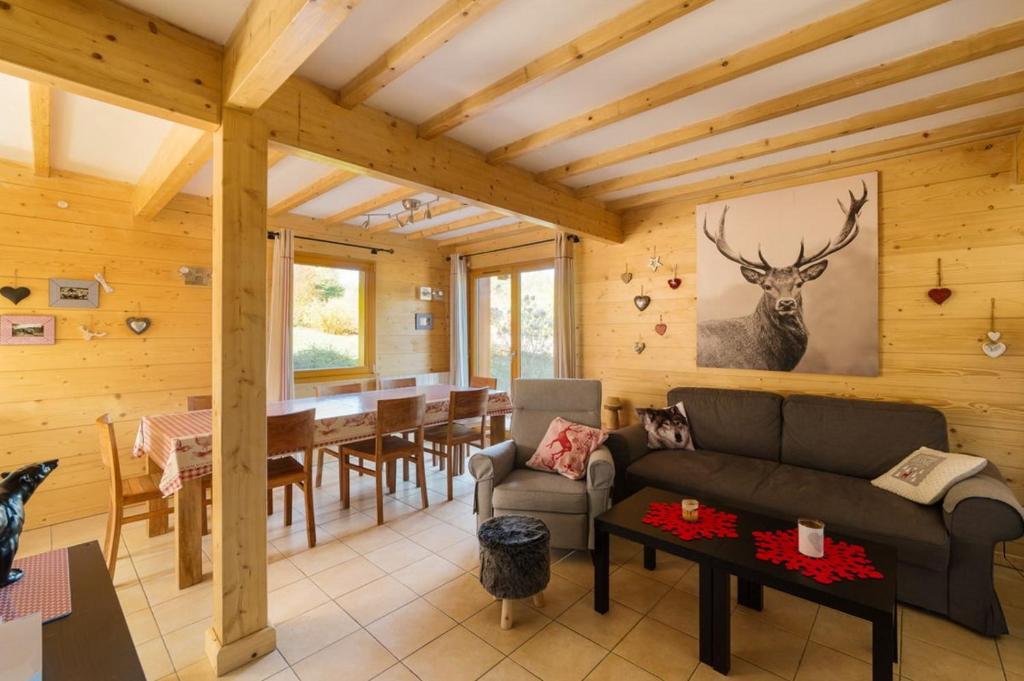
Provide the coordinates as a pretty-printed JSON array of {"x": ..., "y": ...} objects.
[
  {"x": 689, "y": 507},
  {"x": 811, "y": 537}
]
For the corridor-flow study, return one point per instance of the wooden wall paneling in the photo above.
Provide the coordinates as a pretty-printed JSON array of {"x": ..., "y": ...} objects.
[{"x": 958, "y": 203}]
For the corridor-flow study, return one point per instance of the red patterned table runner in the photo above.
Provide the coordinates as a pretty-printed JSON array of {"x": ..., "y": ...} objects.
[
  {"x": 45, "y": 587},
  {"x": 710, "y": 523},
  {"x": 842, "y": 560}
]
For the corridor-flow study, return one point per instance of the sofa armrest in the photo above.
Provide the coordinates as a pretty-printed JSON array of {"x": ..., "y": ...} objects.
[
  {"x": 600, "y": 478},
  {"x": 983, "y": 508},
  {"x": 626, "y": 446},
  {"x": 489, "y": 467}
]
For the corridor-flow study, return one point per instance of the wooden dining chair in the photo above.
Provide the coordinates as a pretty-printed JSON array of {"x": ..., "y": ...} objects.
[
  {"x": 450, "y": 440},
  {"x": 483, "y": 382},
  {"x": 200, "y": 403},
  {"x": 287, "y": 434},
  {"x": 342, "y": 389},
  {"x": 390, "y": 383},
  {"x": 123, "y": 492},
  {"x": 394, "y": 417}
]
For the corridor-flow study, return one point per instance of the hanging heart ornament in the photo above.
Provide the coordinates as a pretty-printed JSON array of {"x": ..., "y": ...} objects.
[
  {"x": 674, "y": 283},
  {"x": 639, "y": 347},
  {"x": 15, "y": 294},
  {"x": 138, "y": 325},
  {"x": 641, "y": 302},
  {"x": 660, "y": 328},
  {"x": 993, "y": 348},
  {"x": 627, "y": 277},
  {"x": 939, "y": 295}
]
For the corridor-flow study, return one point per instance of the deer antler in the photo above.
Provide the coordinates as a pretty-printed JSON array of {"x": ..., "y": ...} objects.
[
  {"x": 849, "y": 232},
  {"x": 725, "y": 249}
]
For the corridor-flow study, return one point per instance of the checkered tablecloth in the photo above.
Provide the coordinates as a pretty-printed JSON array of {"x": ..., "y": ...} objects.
[{"x": 182, "y": 444}]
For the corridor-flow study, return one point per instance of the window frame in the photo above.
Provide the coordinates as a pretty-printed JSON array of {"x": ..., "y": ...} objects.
[{"x": 367, "y": 305}]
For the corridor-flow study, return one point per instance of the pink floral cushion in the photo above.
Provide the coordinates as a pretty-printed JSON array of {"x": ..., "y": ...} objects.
[{"x": 566, "y": 448}]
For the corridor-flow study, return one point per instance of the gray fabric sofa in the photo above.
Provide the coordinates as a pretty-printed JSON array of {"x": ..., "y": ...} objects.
[
  {"x": 505, "y": 486},
  {"x": 815, "y": 456}
]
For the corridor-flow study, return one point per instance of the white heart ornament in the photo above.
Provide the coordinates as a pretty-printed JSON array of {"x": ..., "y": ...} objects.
[
  {"x": 994, "y": 336},
  {"x": 993, "y": 350},
  {"x": 138, "y": 325}
]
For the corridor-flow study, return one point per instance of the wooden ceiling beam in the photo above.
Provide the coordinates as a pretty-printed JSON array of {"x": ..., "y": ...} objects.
[
  {"x": 471, "y": 221},
  {"x": 325, "y": 184},
  {"x": 108, "y": 51},
  {"x": 271, "y": 41},
  {"x": 975, "y": 93},
  {"x": 371, "y": 205},
  {"x": 182, "y": 153},
  {"x": 486, "y": 234},
  {"x": 1018, "y": 150},
  {"x": 275, "y": 155},
  {"x": 979, "y": 128},
  {"x": 40, "y": 100},
  {"x": 854, "y": 21},
  {"x": 977, "y": 46},
  {"x": 304, "y": 115},
  {"x": 620, "y": 30},
  {"x": 418, "y": 216},
  {"x": 430, "y": 34}
]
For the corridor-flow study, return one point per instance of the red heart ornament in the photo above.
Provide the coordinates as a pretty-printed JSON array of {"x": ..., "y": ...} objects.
[
  {"x": 674, "y": 283},
  {"x": 660, "y": 328},
  {"x": 939, "y": 295}
]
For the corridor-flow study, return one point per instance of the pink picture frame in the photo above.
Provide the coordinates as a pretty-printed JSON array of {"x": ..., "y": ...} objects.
[{"x": 26, "y": 330}]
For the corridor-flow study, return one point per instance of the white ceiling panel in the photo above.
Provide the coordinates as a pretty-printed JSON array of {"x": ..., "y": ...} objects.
[
  {"x": 201, "y": 183},
  {"x": 948, "y": 79},
  {"x": 100, "y": 139},
  {"x": 212, "y": 19},
  {"x": 16, "y": 127},
  {"x": 460, "y": 214},
  {"x": 917, "y": 125},
  {"x": 371, "y": 28},
  {"x": 503, "y": 40},
  {"x": 714, "y": 31},
  {"x": 482, "y": 227},
  {"x": 937, "y": 26},
  {"x": 292, "y": 174},
  {"x": 349, "y": 194}
]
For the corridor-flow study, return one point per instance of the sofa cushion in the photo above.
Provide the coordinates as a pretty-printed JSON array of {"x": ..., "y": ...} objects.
[
  {"x": 528, "y": 490},
  {"x": 856, "y": 437},
  {"x": 709, "y": 476},
  {"x": 535, "y": 402},
  {"x": 743, "y": 422},
  {"x": 853, "y": 506}
]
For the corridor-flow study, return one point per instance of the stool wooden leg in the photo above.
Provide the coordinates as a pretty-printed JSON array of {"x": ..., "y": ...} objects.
[
  {"x": 538, "y": 600},
  {"x": 506, "y": 614}
]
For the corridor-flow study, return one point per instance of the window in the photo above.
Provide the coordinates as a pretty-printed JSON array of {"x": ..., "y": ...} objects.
[
  {"x": 332, "y": 334},
  {"x": 512, "y": 323}
]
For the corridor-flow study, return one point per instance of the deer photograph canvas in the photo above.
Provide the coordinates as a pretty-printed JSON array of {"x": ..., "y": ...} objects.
[{"x": 788, "y": 280}]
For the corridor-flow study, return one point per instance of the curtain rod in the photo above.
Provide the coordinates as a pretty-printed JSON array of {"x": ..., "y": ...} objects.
[
  {"x": 572, "y": 237},
  {"x": 374, "y": 250}
]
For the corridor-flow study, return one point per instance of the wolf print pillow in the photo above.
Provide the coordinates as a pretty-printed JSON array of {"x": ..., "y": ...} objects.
[
  {"x": 667, "y": 428},
  {"x": 925, "y": 475},
  {"x": 566, "y": 447}
]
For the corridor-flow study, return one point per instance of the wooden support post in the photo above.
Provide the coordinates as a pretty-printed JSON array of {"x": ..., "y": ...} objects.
[
  {"x": 240, "y": 632},
  {"x": 1020, "y": 157}
]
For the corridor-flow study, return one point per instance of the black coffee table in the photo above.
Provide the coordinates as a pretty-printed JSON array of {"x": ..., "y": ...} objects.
[{"x": 871, "y": 599}]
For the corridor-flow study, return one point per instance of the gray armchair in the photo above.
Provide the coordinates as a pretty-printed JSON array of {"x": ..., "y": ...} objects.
[{"x": 505, "y": 486}]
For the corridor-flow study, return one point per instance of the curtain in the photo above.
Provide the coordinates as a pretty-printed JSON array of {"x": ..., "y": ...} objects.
[
  {"x": 459, "y": 361},
  {"x": 280, "y": 378},
  {"x": 565, "y": 308}
]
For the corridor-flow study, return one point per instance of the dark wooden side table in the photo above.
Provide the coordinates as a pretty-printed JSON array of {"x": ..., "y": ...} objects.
[{"x": 93, "y": 642}]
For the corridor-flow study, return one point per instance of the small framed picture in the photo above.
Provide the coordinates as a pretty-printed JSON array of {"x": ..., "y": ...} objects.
[
  {"x": 424, "y": 321},
  {"x": 74, "y": 293},
  {"x": 26, "y": 330},
  {"x": 426, "y": 293}
]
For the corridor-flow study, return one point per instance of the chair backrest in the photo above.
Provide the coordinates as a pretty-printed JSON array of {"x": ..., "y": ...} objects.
[
  {"x": 483, "y": 382},
  {"x": 339, "y": 389},
  {"x": 108, "y": 453},
  {"x": 467, "y": 404},
  {"x": 199, "y": 402},
  {"x": 536, "y": 403},
  {"x": 388, "y": 383},
  {"x": 289, "y": 433},
  {"x": 401, "y": 414}
]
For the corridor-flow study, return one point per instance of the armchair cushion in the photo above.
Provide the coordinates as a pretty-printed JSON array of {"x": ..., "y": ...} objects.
[
  {"x": 529, "y": 490},
  {"x": 566, "y": 447}
]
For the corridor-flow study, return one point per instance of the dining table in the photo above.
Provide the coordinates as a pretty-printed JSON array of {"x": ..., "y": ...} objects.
[{"x": 179, "y": 448}]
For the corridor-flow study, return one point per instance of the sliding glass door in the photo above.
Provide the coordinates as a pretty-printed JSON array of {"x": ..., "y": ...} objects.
[{"x": 512, "y": 328}]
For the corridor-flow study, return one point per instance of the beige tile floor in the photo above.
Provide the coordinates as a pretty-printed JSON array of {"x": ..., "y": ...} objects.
[{"x": 402, "y": 601}]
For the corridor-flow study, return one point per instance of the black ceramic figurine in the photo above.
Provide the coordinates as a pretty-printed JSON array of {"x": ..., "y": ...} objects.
[{"x": 15, "y": 490}]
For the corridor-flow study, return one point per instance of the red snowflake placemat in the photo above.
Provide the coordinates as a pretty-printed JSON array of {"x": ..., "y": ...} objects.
[
  {"x": 45, "y": 587},
  {"x": 710, "y": 522},
  {"x": 842, "y": 560}
]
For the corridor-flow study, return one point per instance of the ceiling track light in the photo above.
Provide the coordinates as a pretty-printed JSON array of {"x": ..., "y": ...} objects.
[{"x": 407, "y": 215}]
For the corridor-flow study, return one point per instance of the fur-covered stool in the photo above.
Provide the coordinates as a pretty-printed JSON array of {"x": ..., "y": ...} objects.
[{"x": 514, "y": 560}]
